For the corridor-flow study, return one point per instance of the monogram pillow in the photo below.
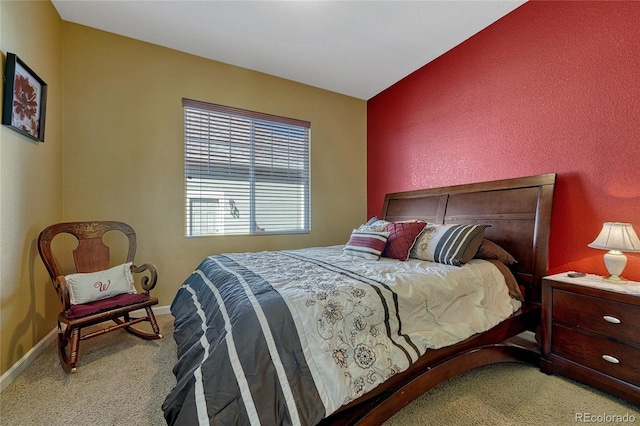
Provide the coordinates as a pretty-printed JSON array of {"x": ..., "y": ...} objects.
[{"x": 89, "y": 287}]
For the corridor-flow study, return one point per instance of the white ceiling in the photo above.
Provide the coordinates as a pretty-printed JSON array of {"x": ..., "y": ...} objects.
[{"x": 357, "y": 48}]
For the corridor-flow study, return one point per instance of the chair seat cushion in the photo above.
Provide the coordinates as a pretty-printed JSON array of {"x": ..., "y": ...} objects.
[{"x": 121, "y": 300}]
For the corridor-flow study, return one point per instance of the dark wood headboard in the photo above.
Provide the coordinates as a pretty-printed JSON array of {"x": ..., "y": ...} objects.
[{"x": 518, "y": 210}]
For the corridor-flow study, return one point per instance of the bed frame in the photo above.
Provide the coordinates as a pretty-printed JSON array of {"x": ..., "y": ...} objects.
[{"x": 519, "y": 212}]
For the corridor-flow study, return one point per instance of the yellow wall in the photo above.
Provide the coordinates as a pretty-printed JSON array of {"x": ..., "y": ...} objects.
[
  {"x": 124, "y": 144},
  {"x": 30, "y": 183},
  {"x": 114, "y": 150}
]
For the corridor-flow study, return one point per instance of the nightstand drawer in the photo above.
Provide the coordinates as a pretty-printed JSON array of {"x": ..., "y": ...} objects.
[
  {"x": 593, "y": 352},
  {"x": 612, "y": 319}
]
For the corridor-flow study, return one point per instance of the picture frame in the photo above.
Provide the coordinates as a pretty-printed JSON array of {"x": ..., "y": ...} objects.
[{"x": 25, "y": 99}]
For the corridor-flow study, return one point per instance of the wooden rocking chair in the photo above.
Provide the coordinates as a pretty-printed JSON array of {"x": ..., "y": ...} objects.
[{"x": 90, "y": 256}]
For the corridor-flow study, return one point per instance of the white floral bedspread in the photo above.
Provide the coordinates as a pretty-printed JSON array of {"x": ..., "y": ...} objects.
[{"x": 361, "y": 321}]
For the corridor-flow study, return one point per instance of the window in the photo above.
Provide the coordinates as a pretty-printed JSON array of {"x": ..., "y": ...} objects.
[{"x": 245, "y": 172}]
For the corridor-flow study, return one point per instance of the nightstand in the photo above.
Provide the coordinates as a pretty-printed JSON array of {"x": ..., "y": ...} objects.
[{"x": 591, "y": 333}]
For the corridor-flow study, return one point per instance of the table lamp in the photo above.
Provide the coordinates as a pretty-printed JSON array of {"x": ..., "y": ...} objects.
[{"x": 616, "y": 237}]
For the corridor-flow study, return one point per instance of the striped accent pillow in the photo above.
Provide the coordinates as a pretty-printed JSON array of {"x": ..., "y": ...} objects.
[
  {"x": 448, "y": 244},
  {"x": 367, "y": 244}
]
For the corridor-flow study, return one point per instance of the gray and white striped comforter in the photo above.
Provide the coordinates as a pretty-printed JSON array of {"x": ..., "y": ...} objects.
[{"x": 288, "y": 337}]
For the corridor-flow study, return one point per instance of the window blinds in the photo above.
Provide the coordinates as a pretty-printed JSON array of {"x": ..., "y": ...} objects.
[{"x": 245, "y": 172}]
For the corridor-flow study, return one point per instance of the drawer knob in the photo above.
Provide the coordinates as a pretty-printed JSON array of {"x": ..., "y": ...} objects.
[
  {"x": 612, "y": 320},
  {"x": 611, "y": 359}
]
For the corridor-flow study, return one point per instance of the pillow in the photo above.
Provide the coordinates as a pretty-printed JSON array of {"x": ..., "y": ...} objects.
[
  {"x": 402, "y": 236},
  {"x": 367, "y": 244},
  {"x": 374, "y": 224},
  {"x": 448, "y": 244},
  {"x": 490, "y": 250},
  {"x": 510, "y": 280},
  {"x": 89, "y": 287}
]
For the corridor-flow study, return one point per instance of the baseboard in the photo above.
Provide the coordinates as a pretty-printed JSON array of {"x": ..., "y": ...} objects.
[
  {"x": 160, "y": 310},
  {"x": 163, "y": 310},
  {"x": 17, "y": 368},
  {"x": 28, "y": 358}
]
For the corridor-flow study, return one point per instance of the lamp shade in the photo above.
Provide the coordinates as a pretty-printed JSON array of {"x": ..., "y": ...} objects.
[{"x": 617, "y": 236}]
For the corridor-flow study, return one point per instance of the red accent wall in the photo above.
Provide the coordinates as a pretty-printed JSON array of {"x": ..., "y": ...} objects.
[{"x": 551, "y": 87}]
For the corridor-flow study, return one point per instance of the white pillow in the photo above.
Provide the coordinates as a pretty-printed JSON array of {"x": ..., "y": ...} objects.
[
  {"x": 89, "y": 287},
  {"x": 374, "y": 224}
]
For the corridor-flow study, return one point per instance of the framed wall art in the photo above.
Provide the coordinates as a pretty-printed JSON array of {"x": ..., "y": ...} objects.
[{"x": 25, "y": 99}]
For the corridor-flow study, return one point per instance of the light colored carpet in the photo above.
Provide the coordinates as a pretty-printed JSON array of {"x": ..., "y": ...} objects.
[{"x": 123, "y": 380}]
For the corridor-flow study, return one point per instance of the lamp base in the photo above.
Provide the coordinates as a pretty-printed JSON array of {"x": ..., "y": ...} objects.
[
  {"x": 615, "y": 261},
  {"x": 614, "y": 279}
]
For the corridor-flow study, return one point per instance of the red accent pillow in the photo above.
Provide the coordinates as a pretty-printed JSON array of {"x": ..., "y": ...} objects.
[{"x": 402, "y": 236}]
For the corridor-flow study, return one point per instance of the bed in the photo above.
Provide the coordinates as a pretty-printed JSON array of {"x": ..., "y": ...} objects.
[{"x": 323, "y": 336}]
